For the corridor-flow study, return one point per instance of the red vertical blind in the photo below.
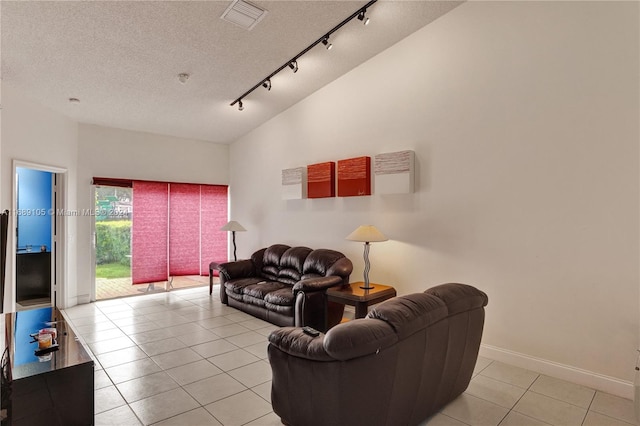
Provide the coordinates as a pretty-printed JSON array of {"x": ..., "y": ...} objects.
[
  {"x": 175, "y": 229},
  {"x": 213, "y": 208},
  {"x": 150, "y": 233}
]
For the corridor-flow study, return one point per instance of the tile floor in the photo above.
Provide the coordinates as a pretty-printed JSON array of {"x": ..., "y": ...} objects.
[{"x": 183, "y": 358}]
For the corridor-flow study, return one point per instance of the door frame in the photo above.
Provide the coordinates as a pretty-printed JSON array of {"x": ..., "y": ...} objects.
[{"x": 59, "y": 246}]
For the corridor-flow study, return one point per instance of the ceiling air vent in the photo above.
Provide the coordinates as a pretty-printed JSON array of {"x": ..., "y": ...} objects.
[{"x": 244, "y": 14}]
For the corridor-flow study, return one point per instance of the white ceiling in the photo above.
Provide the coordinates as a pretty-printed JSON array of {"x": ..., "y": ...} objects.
[{"x": 122, "y": 58}]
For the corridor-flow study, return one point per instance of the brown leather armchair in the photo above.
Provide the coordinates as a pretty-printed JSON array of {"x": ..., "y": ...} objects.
[{"x": 402, "y": 363}]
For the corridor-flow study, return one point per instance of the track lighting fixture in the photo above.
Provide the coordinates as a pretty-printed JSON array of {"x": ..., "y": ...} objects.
[
  {"x": 293, "y": 62},
  {"x": 362, "y": 16}
]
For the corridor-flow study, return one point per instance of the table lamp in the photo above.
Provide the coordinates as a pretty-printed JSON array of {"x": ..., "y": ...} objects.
[
  {"x": 233, "y": 226},
  {"x": 366, "y": 234}
]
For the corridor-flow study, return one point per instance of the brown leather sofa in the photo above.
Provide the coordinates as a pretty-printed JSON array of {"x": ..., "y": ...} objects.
[
  {"x": 408, "y": 358},
  {"x": 286, "y": 285}
]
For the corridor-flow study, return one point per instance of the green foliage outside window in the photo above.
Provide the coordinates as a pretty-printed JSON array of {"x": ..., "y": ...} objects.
[{"x": 113, "y": 242}]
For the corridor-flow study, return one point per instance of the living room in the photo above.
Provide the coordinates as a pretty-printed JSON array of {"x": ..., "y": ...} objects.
[{"x": 523, "y": 117}]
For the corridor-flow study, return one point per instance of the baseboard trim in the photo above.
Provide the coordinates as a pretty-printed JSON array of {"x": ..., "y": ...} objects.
[{"x": 582, "y": 377}]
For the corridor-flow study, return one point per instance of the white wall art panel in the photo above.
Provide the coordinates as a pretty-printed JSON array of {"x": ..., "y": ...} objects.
[
  {"x": 394, "y": 172},
  {"x": 294, "y": 183}
]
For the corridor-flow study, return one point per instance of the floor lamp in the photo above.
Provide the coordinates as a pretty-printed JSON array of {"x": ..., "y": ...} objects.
[
  {"x": 233, "y": 226},
  {"x": 366, "y": 234}
]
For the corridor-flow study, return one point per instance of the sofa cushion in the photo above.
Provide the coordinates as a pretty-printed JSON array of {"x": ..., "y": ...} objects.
[
  {"x": 236, "y": 285},
  {"x": 282, "y": 297},
  {"x": 271, "y": 261},
  {"x": 319, "y": 261},
  {"x": 292, "y": 263},
  {"x": 261, "y": 289}
]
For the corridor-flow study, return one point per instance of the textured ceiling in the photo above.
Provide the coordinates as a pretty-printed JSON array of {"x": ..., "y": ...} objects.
[{"x": 122, "y": 58}]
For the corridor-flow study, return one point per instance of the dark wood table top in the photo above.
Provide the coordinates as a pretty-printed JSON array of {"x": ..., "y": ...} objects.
[{"x": 354, "y": 293}]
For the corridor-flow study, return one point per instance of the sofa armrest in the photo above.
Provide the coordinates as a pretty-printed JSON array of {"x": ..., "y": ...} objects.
[
  {"x": 293, "y": 341},
  {"x": 239, "y": 269},
  {"x": 358, "y": 338},
  {"x": 317, "y": 284}
]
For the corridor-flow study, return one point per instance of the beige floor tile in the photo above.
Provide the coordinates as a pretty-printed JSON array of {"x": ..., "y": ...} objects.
[
  {"x": 186, "y": 328},
  {"x": 110, "y": 345},
  {"x": 481, "y": 364},
  {"x": 214, "y": 388},
  {"x": 440, "y": 419},
  {"x": 234, "y": 359},
  {"x": 564, "y": 391},
  {"x": 475, "y": 411},
  {"x": 193, "y": 372},
  {"x": 197, "y": 417},
  {"x": 146, "y": 386},
  {"x": 112, "y": 333},
  {"x": 139, "y": 327},
  {"x": 258, "y": 349},
  {"x": 614, "y": 406},
  {"x": 107, "y": 399},
  {"x": 162, "y": 346},
  {"x": 216, "y": 321},
  {"x": 252, "y": 374},
  {"x": 517, "y": 419},
  {"x": 101, "y": 379},
  {"x": 501, "y": 393},
  {"x": 132, "y": 370},
  {"x": 596, "y": 419},
  {"x": 549, "y": 410},
  {"x": 151, "y": 336},
  {"x": 216, "y": 347},
  {"x": 202, "y": 336},
  {"x": 121, "y": 416},
  {"x": 264, "y": 391},
  {"x": 246, "y": 339},
  {"x": 230, "y": 330},
  {"x": 270, "y": 419},
  {"x": 239, "y": 409},
  {"x": 176, "y": 358},
  {"x": 509, "y": 374},
  {"x": 122, "y": 356},
  {"x": 240, "y": 317},
  {"x": 163, "y": 406}
]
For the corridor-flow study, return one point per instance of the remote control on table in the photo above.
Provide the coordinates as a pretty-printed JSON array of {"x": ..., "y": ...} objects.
[{"x": 310, "y": 331}]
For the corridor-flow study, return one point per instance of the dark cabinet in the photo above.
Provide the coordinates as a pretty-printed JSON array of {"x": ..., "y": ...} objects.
[{"x": 33, "y": 275}]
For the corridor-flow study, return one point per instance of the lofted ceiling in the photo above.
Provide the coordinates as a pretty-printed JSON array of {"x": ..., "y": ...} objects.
[{"x": 121, "y": 59}]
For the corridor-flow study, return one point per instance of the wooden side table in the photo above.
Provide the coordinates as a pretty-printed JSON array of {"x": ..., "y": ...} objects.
[
  {"x": 353, "y": 295},
  {"x": 213, "y": 266}
]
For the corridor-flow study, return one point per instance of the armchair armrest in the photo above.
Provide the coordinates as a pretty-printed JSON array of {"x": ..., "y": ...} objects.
[
  {"x": 239, "y": 269},
  {"x": 317, "y": 284},
  {"x": 293, "y": 341}
]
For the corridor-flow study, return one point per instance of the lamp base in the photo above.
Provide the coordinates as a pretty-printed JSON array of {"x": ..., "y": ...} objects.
[{"x": 370, "y": 287}]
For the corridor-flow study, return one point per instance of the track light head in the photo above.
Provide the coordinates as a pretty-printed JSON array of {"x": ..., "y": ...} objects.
[
  {"x": 240, "y": 106},
  {"x": 294, "y": 66},
  {"x": 362, "y": 16},
  {"x": 326, "y": 43},
  {"x": 267, "y": 84}
]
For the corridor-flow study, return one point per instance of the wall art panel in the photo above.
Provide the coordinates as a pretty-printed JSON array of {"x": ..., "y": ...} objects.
[
  {"x": 394, "y": 172},
  {"x": 321, "y": 180},
  {"x": 354, "y": 177}
]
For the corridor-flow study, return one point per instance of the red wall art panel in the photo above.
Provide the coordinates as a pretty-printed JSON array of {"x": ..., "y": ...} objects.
[
  {"x": 321, "y": 180},
  {"x": 354, "y": 177}
]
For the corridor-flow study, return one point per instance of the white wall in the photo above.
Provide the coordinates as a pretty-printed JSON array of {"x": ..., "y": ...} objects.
[
  {"x": 524, "y": 120},
  {"x": 116, "y": 153},
  {"x": 35, "y": 134}
]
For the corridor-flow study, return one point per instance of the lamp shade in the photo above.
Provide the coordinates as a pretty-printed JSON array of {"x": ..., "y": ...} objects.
[
  {"x": 367, "y": 234},
  {"x": 232, "y": 225}
]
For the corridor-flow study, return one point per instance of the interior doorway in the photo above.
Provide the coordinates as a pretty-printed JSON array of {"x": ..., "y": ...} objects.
[
  {"x": 36, "y": 244},
  {"x": 34, "y": 236}
]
